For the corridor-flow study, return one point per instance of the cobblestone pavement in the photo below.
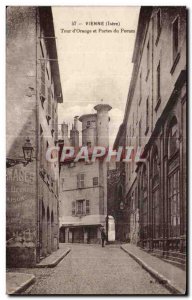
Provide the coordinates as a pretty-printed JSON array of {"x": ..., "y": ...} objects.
[{"x": 91, "y": 269}]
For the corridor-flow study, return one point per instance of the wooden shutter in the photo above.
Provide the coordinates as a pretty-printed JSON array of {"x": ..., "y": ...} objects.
[
  {"x": 82, "y": 180},
  {"x": 73, "y": 208},
  {"x": 87, "y": 207}
]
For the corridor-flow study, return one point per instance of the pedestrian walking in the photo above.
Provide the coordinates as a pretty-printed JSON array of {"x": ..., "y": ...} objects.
[{"x": 103, "y": 236}]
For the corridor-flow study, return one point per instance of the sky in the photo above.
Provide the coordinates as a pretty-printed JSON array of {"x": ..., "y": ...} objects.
[{"x": 96, "y": 63}]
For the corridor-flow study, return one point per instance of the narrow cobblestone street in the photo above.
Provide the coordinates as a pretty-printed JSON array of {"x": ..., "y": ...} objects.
[{"x": 91, "y": 269}]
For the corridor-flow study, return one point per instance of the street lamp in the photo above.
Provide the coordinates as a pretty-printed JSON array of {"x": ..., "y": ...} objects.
[
  {"x": 27, "y": 150},
  {"x": 121, "y": 205},
  {"x": 27, "y": 153}
]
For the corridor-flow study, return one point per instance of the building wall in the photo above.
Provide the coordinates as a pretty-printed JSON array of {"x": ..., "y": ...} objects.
[
  {"x": 31, "y": 189},
  {"x": 148, "y": 116},
  {"x": 21, "y": 123},
  {"x": 69, "y": 192},
  {"x": 159, "y": 51},
  {"x": 47, "y": 135}
]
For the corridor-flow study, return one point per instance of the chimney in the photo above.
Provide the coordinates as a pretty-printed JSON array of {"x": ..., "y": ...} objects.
[
  {"x": 64, "y": 130},
  {"x": 74, "y": 133},
  {"x": 76, "y": 122}
]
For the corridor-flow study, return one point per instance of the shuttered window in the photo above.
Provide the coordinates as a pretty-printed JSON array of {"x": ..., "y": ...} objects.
[
  {"x": 80, "y": 181},
  {"x": 95, "y": 181}
]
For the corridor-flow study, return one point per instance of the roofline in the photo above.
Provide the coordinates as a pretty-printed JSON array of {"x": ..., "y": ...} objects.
[
  {"x": 86, "y": 116},
  {"x": 46, "y": 22},
  {"x": 144, "y": 18}
]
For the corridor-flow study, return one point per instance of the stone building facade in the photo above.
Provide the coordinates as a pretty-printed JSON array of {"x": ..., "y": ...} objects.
[
  {"x": 155, "y": 119},
  {"x": 83, "y": 185},
  {"x": 33, "y": 92}
]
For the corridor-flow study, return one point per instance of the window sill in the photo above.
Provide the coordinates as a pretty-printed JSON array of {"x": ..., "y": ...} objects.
[
  {"x": 80, "y": 215},
  {"x": 175, "y": 62},
  {"x": 158, "y": 104}
]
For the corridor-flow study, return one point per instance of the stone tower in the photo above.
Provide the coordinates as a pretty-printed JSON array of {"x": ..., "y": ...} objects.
[
  {"x": 102, "y": 136},
  {"x": 89, "y": 122}
]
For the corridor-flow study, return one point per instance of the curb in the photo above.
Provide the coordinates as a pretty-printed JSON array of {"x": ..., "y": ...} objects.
[
  {"x": 55, "y": 262},
  {"x": 159, "y": 277},
  {"x": 23, "y": 287}
]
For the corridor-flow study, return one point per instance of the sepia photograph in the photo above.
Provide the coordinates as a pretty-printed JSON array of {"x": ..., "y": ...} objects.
[{"x": 96, "y": 150}]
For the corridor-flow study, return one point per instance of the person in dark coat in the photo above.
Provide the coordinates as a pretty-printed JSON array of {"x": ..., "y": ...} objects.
[{"x": 103, "y": 236}]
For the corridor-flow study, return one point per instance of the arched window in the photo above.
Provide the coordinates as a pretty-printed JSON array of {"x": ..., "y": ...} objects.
[
  {"x": 155, "y": 193},
  {"x": 144, "y": 204},
  {"x": 173, "y": 135},
  {"x": 173, "y": 179}
]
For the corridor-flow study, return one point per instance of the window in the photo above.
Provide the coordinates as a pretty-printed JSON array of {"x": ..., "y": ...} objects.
[
  {"x": 140, "y": 88},
  {"x": 158, "y": 83},
  {"x": 42, "y": 89},
  {"x": 88, "y": 123},
  {"x": 130, "y": 135},
  {"x": 155, "y": 165},
  {"x": 79, "y": 207},
  {"x": 174, "y": 204},
  {"x": 73, "y": 208},
  {"x": 158, "y": 24},
  {"x": 155, "y": 194},
  {"x": 175, "y": 41},
  {"x": 144, "y": 205},
  {"x": 41, "y": 46},
  {"x": 62, "y": 184},
  {"x": 53, "y": 116},
  {"x": 41, "y": 151},
  {"x": 156, "y": 214},
  {"x": 47, "y": 73},
  {"x": 87, "y": 207},
  {"x": 148, "y": 59},
  {"x": 133, "y": 201},
  {"x": 95, "y": 181},
  {"x": 139, "y": 141},
  {"x": 173, "y": 138},
  {"x": 147, "y": 115},
  {"x": 80, "y": 181},
  {"x": 72, "y": 165},
  {"x": 88, "y": 144},
  {"x": 49, "y": 101}
]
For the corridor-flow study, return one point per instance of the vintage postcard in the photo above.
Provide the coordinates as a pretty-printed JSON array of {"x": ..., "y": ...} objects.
[{"x": 96, "y": 150}]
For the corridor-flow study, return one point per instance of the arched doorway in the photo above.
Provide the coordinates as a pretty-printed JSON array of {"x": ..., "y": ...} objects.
[
  {"x": 43, "y": 232},
  {"x": 144, "y": 207},
  {"x": 156, "y": 226}
]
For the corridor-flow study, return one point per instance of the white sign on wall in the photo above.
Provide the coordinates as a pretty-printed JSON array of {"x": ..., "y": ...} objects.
[{"x": 111, "y": 229}]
